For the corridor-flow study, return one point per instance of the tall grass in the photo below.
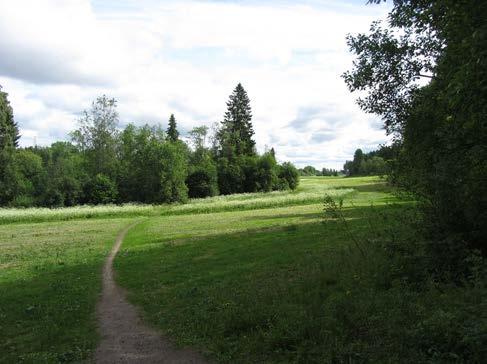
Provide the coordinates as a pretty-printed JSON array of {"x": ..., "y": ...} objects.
[
  {"x": 311, "y": 191},
  {"x": 252, "y": 201},
  {"x": 38, "y": 214}
]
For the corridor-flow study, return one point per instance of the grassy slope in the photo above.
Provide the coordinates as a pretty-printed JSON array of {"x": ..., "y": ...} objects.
[
  {"x": 49, "y": 283},
  {"x": 282, "y": 285}
]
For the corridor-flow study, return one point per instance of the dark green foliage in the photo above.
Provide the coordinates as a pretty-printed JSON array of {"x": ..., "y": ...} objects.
[
  {"x": 369, "y": 164},
  {"x": 141, "y": 162},
  {"x": 153, "y": 170},
  {"x": 172, "y": 131},
  {"x": 173, "y": 172},
  {"x": 288, "y": 176},
  {"x": 136, "y": 164},
  {"x": 255, "y": 174},
  {"x": 33, "y": 177},
  {"x": 329, "y": 172},
  {"x": 201, "y": 183},
  {"x": 312, "y": 171},
  {"x": 266, "y": 173},
  {"x": 9, "y": 130},
  {"x": 309, "y": 171},
  {"x": 441, "y": 126},
  {"x": 230, "y": 177},
  {"x": 235, "y": 136},
  {"x": 10, "y": 176},
  {"x": 202, "y": 180},
  {"x": 101, "y": 190}
]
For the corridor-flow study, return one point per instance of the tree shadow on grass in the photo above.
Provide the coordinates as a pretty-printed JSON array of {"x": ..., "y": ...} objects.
[
  {"x": 260, "y": 294},
  {"x": 50, "y": 317}
]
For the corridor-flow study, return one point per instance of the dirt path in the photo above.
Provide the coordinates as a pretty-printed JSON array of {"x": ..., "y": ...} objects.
[{"x": 125, "y": 338}]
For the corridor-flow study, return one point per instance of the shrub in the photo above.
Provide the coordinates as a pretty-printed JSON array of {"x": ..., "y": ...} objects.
[
  {"x": 266, "y": 174},
  {"x": 101, "y": 190},
  {"x": 230, "y": 177},
  {"x": 201, "y": 183},
  {"x": 289, "y": 173}
]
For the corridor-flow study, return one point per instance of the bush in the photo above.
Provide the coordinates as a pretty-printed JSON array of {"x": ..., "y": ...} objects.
[
  {"x": 266, "y": 173},
  {"x": 230, "y": 177},
  {"x": 52, "y": 198},
  {"x": 201, "y": 183},
  {"x": 101, "y": 190},
  {"x": 289, "y": 174},
  {"x": 23, "y": 201}
]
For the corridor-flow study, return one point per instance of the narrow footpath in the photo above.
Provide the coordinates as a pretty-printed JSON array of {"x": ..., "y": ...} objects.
[{"x": 125, "y": 338}]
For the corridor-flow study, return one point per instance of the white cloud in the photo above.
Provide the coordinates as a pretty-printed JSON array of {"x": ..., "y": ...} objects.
[{"x": 186, "y": 57}]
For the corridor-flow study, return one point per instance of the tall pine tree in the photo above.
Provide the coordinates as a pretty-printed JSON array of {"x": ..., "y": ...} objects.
[
  {"x": 9, "y": 131},
  {"x": 172, "y": 131},
  {"x": 9, "y": 135},
  {"x": 236, "y": 132}
]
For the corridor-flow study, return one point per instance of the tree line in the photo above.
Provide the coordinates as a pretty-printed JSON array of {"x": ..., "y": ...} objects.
[
  {"x": 378, "y": 162},
  {"x": 439, "y": 125},
  {"x": 312, "y": 171},
  {"x": 105, "y": 164}
]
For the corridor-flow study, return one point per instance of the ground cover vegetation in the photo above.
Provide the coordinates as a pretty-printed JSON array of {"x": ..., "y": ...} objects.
[
  {"x": 340, "y": 282},
  {"x": 103, "y": 164},
  {"x": 49, "y": 286},
  {"x": 50, "y": 268},
  {"x": 312, "y": 191}
]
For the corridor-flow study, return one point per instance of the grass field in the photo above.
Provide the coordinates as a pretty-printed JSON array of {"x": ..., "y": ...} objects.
[
  {"x": 49, "y": 284},
  {"x": 311, "y": 190},
  {"x": 243, "y": 278}
]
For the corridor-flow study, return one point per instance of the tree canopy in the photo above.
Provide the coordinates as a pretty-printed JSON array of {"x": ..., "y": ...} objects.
[
  {"x": 439, "y": 122},
  {"x": 105, "y": 164}
]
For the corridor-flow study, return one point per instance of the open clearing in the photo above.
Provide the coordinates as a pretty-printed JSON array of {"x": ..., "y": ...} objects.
[{"x": 248, "y": 282}]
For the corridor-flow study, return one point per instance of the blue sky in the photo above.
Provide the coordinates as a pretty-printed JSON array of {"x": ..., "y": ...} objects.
[{"x": 185, "y": 57}]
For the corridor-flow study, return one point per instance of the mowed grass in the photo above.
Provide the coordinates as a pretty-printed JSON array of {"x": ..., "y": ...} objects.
[
  {"x": 291, "y": 285},
  {"x": 266, "y": 285},
  {"x": 50, "y": 278},
  {"x": 311, "y": 190},
  {"x": 50, "y": 268},
  {"x": 243, "y": 278}
]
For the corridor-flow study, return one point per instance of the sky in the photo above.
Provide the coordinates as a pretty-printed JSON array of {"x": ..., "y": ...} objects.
[{"x": 186, "y": 57}]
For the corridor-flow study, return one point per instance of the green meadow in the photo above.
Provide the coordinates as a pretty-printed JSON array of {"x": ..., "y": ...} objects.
[{"x": 276, "y": 278}]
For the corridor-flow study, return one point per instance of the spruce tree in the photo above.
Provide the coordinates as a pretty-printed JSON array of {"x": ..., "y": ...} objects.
[
  {"x": 172, "y": 131},
  {"x": 9, "y": 131},
  {"x": 236, "y": 131},
  {"x": 9, "y": 135}
]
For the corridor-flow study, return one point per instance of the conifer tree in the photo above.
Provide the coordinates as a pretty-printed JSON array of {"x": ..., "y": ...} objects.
[
  {"x": 9, "y": 131},
  {"x": 236, "y": 130},
  {"x": 172, "y": 131},
  {"x": 9, "y": 136}
]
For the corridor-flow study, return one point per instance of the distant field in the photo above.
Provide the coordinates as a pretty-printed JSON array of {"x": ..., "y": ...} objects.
[{"x": 311, "y": 190}]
